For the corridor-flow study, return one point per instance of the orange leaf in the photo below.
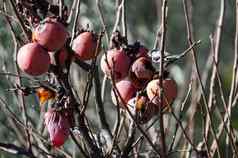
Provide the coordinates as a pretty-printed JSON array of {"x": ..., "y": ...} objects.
[{"x": 45, "y": 94}]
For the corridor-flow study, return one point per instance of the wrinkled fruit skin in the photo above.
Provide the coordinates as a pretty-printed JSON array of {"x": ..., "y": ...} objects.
[
  {"x": 142, "y": 109},
  {"x": 51, "y": 34},
  {"x": 33, "y": 59},
  {"x": 118, "y": 62},
  {"x": 169, "y": 89},
  {"x": 84, "y": 46},
  {"x": 141, "y": 71},
  {"x": 126, "y": 90},
  {"x": 58, "y": 125},
  {"x": 61, "y": 57}
]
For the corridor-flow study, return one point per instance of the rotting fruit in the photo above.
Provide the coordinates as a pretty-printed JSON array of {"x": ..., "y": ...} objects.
[
  {"x": 85, "y": 45},
  {"x": 142, "y": 109},
  {"x": 141, "y": 71},
  {"x": 58, "y": 125},
  {"x": 117, "y": 64},
  {"x": 51, "y": 34},
  {"x": 169, "y": 91},
  {"x": 33, "y": 59}
]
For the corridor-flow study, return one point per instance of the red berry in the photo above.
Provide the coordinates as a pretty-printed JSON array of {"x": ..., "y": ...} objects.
[
  {"x": 126, "y": 91},
  {"x": 58, "y": 125},
  {"x": 85, "y": 45},
  {"x": 118, "y": 63},
  {"x": 169, "y": 91},
  {"x": 33, "y": 59},
  {"x": 51, "y": 34}
]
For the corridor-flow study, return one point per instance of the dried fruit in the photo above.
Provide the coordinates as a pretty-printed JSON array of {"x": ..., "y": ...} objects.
[
  {"x": 142, "y": 109},
  {"x": 33, "y": 59},
  {"x": 85, "y": 45},
  {"x": 169, "y": 91},
  {"x": 51, "y": 34},
  {"x": 58, "y": 124},
  {"x": 141, "y": 72},
  {"x": 118, "y": 63}
]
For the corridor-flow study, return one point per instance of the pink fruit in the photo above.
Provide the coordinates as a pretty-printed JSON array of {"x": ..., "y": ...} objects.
[
  {"x": 33, "y": 59},
  {"x": 126, "y": 92},
  {"x": 85, "y": 45},
  {"x": 141, "y": 71},
  {"x": 118, "y": 64},
  {"x": 58, "y": 125},
  {"x": 51, "y": 34},
  {"x": 169, "y": 91}
]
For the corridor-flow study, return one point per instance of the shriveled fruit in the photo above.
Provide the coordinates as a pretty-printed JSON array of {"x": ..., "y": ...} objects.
[
  {"x": 169, "y": 91},
  {"x": 85, "y": 45},
  {"x": 118, "y": 63},
  {"x": 58, "y": 125},
  {"x": 141, "y": 71},
  {"x": 142, "y": 109},
  {"x": 51, "y": 34},
  {"x": 61, "y": 57},
  {"x": 126, "y": 92},
  {"x": 33, "y": 59}
]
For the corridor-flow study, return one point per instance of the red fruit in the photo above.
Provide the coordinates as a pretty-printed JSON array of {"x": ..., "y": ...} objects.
[
  {"x": 33, "y": 59},
  {"x": 58, "y": 125},
  {"x": 61, "y": 57},
  {"x": 142, "y": 52},
  {"x": 118, "y": 63},
  {"x": 51, "y": 34},
  {"x": 169, "y": 91},
  {"x": 85, "y": 45},
  {"x": 141, "y": 72},
  {"x": 126, "y": 91}
]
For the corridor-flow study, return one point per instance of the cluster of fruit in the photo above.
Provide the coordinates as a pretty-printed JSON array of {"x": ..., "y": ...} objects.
[
  {"x": 48, "y": 39},
  {"x": 137, "y": 88},
  {"x": 129, "y": 66}
]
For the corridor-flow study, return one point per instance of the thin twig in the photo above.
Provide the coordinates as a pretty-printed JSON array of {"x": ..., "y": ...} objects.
[
  {"x": 161, "y": 77},
  {"x": 19, "y": 82},
  {"x": 214, "y": 70},
  {"x": 180, "y": 117},
  {"x": 102, "y": 19},
  {"x": 78, "y": 145},
  {"x": 13, "y": 149},
  {"x": 21, "y": 23},
  {"x": 117, "y": 22},
  {"x": 190, "y": 40},
  {"x": 123, "y": 19},
  {"x": 99, "y": 104},
  {"x": 75, "y": 22}
]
